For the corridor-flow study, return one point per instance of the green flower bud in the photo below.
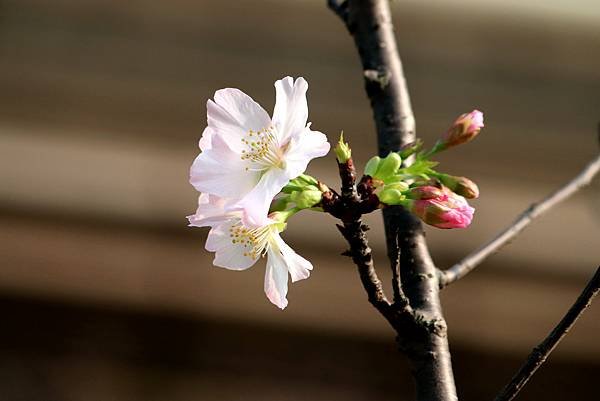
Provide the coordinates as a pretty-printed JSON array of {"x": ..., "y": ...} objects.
[
  {"x": 460, "y": 185},
  {"x": 300, "y": 183},
  {"x": 372, "y": 165},
  {"x": 306, "y": 199},
  {"x": 389, "y": 165},
  {"x": 391, "y": 196},
  {"x": 343, "y": 153}
]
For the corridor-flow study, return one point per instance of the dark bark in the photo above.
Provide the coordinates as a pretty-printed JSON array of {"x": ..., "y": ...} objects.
[
  {"x": 423, "y": 338},
  {"x": 429, "y": 352},
  {"x": 354, "y": 232},
  {"x": 350, "y": 203},
  {"x": 349, "y": 207}
]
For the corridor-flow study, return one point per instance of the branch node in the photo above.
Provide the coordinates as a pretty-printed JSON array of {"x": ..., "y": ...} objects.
[{"x": 381, "y": 77}]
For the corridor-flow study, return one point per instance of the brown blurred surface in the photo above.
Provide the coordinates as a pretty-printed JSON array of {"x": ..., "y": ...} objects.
[
  {"x": 55, "y": 351},
  {"x": 101, "y": 107}
]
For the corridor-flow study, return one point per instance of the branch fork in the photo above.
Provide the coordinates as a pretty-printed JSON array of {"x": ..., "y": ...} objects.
[
  {"x": 354, "y": 201},
  {"x": 416, "y": 313}
]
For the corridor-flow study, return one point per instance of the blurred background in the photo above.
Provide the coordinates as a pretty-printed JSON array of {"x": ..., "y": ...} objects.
[{"x": 107, "y": 295}]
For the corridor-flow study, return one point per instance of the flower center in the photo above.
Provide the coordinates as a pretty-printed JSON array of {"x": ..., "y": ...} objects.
[
  {"x": 255, "y": 241},
  {"x": 263, "y": 149}
]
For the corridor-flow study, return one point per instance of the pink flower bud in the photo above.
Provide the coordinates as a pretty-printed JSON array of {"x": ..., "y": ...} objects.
[
  {"x": 447, "y": 210},
  {"x": 460, "y": 185},
  {"x": 464, "y": 129},
  {"x": 425, "y": 192}
]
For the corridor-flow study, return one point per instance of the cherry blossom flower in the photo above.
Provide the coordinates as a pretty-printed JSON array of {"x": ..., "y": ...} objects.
[
  {"x": 250, "y": 157},
  {"x": 238, "y": 246}
]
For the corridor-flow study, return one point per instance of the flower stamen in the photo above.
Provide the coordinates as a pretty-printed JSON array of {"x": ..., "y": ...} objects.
[
  {"x": 254, "y": 240},
  {"x": 263, "y": 149}
]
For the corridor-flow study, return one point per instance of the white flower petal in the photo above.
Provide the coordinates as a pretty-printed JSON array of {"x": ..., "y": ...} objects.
[
  {"x": 248, "y": 113},
  {"x": 276, "y": 278},
  {"x": 211, "y": 211},
  {"x": 303, "y": 149},
  {"x": 221, "y": 171},
  {"x": 227, "y": 254},
  {"x": 206, "y": 138},
  {"x": 291, "y": 109},
  {"x": 256, "y": 203},
  {"x": 298, "y": 267},
  {"x": 224, "y": 124},
  {"x": 233, "y": 113}
]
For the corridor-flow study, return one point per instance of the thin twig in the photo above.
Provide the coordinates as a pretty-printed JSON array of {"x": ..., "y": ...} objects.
[
  {"x": 540, "y": 353},
  {"x": 463, "y": 267},
  {"x": 354, "y": 232},
  {"x": 349, "y": 207}
]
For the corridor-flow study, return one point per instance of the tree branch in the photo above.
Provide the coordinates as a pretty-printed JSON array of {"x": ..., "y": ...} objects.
[
  {"x": 425, "y": 343},
  {"x": 347, "y": 173},
  {"x": 348, "y": 208},
  {"x": 366, "y": 192},
  {"x": 542, "y": 351},
  {"x": 354, "y": 232},
  {"x": 469, "y": 263}
]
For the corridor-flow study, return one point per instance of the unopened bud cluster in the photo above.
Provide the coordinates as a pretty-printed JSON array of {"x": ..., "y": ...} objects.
[{"x": 439, "y": 199}]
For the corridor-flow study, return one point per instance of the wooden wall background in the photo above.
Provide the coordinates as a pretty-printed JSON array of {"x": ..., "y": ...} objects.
[{"x": 106, "y": 295}]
